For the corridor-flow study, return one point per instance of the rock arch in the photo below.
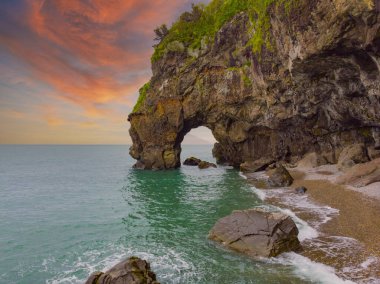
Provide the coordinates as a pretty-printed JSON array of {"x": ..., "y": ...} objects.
[{"x": 312, "y": 91}]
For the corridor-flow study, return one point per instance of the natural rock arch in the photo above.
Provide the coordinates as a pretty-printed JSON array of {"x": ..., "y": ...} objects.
[{"x": 312, "y": 91}]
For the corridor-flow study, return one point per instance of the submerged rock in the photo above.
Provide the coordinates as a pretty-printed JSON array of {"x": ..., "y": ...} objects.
[
  {"x": 130, "y": 271},
  {"x": 192, "y": 161},
  {"x": 280, "y": 177},
  {"x": 205, "y": 165},
  {"x": 257, "y": 232}
]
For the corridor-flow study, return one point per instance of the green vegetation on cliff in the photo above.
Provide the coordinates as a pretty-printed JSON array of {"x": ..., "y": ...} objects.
[
  {"x": 203, "y": 22},
  {"x": 143, "y": 90}
]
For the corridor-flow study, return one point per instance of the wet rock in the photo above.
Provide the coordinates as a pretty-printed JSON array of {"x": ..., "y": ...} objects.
[
  {"x": 279, "y": 177},
  {"x": 352, "y": 155},
  {"x": 192, "y": 161},
  {"x": 361, "y": 174},
  {"x": 257, "y": 232},
  {"x": 131, "y": 271},
  {"x": 256, "y": 166},
  {"x": 205, "y": 165},
  {"x": 301, "y": 190}
]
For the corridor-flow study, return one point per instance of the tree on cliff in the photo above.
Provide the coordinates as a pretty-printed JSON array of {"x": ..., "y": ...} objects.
[{"x": 161, "y": 32}]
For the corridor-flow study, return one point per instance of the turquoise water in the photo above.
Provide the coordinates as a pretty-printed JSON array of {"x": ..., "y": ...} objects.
[{"x": 67, "y": 211}]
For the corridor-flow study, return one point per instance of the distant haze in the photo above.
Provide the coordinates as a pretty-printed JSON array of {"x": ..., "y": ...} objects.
[{"x": 199, "y": 136}]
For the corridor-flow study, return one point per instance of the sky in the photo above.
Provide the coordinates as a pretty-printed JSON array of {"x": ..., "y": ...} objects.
[{"x": 70, "y": 70}]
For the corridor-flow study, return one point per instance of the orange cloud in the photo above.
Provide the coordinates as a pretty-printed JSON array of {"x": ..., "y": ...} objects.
[{"x": 91, "y": 52}]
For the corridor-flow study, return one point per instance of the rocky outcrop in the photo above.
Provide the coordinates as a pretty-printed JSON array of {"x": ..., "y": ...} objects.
[
  {"x": 257, "y": 233},
  {"x": 279, "y": 177},
  {"x": 352, "y": 155},
  {"x": 256, "y": 166},
  {"x": 131, "y": 271},
  {"x": 313, "y": 86},
  {"x": 362, "y": 174},
  {"x": 192, "y": 161}
]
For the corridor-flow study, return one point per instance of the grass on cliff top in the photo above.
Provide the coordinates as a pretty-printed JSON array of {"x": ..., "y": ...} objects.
[
  {"x": 143, "y": 90},
  {"x": 205, "y": 21}
]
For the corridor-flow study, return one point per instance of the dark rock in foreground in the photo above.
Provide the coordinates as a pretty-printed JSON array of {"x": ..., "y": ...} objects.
[
  {"x": 256, "y": 232},
  {"x": 205, "y": 165},
  {"x": 192, "y": 161},
  {"x": 280, "y": 177},
  {"x": 130, "y": 271}
]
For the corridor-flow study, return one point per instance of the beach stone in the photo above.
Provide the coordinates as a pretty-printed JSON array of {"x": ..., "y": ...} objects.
[
  {"x": 192, "y": 161},
  {"x": 352, "y": 155},
  {"x": 279, "y": 177},
  {"x": 256, "y": 166},
  {"x": 312, "y": 160},
  {"x": 361, "y": 174},
  {"x": 301, "y": 190},
  {"x": 205, "y": 165},
  {"x": 130, "y": 271},
  {"x": 257, "y": 232}
]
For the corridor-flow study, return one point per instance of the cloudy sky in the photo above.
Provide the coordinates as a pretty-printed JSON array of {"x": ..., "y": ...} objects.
[{"x": 70, "y": 70}]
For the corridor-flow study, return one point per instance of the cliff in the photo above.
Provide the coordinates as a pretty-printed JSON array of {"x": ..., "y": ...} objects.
[{"x": 272, "y": 79}]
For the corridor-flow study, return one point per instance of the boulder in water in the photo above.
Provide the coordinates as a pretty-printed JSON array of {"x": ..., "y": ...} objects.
[
  {"x": 205, "y": 165},
  {"x": 257, "y": 232},
  {"x": 130, "y": 271},
  {"x": 192, "y": 161}
]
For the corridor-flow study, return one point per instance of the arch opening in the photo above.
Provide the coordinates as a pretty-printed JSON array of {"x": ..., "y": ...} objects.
[{"x": 197, "y": 142}]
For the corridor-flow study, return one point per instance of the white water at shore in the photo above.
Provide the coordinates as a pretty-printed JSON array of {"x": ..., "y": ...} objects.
[{"x": 292, "y": 204}]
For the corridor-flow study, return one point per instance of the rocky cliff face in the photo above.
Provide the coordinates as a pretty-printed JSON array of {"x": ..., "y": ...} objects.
[{"x": 314, "y": 88}]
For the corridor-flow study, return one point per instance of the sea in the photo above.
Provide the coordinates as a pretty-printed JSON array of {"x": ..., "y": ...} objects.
[{"x": 67, "y": 211}]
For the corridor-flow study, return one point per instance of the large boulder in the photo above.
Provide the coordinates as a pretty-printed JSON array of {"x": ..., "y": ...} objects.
[
  {"x": 257, "y": 232},
  {"x": 192, "y": 161},
  {"x": 130, "y": 271},
  {"x": 280, "y": 177},
  {"x": 362, "y": 174},
  {"x": 312, "y": 160},
  {"x": 205, "y": 165},
  {"x": 352, "y": 155}
]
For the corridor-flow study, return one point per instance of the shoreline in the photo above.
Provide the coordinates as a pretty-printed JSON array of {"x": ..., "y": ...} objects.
[{"x": 345, "y": 219}]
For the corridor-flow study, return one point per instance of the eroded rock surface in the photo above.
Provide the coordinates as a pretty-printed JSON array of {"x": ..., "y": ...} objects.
[
  {"x": 131, "y": 271},
  {"x": 352, "y": 155},
  {"x": 192, "y": 161},
  {"x": 205, "y": 165},
  {"x": 279, "y": 177},
  {"x": 362, "y": 174},
  {"x": 316, "y": 89},
  {"x": 257, "y": 233}
]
